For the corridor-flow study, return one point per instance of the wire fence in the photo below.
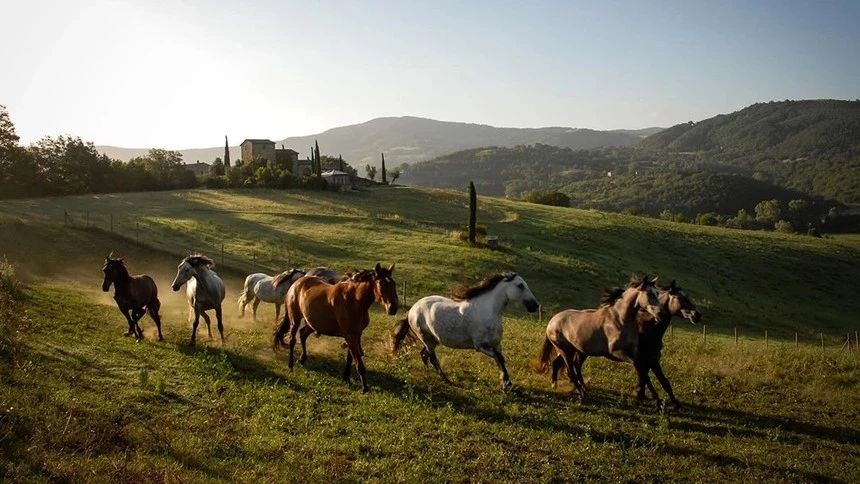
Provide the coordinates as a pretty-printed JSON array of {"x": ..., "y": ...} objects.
[{"x": 175, "y": 241}]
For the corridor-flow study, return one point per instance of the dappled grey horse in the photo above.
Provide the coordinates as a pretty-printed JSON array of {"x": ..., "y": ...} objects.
[{"x": 204, "y": 290}]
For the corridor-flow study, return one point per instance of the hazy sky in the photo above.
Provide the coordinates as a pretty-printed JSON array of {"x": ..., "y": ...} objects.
[{"x": 181, "y": 74}]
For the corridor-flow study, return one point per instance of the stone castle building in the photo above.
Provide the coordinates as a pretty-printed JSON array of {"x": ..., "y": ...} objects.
[{"x": 264, "y": 149}]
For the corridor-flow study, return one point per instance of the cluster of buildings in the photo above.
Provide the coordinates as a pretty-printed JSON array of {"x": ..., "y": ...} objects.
[{"x": 265, "y": 150}]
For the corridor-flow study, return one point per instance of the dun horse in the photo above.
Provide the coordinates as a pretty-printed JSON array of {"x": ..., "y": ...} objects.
[
  {"x": 673, "y": 302},
  {"x": 341, "y": 309},
  {"x": 204, "y": 291},
  {"x": 134, "y": 295},
  {"x": 472, "y": 322},
  {"x": 608, "y": 331}
]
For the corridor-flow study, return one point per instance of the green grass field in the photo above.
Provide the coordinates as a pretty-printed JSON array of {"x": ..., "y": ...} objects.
[{"x": 78, "y": 401}]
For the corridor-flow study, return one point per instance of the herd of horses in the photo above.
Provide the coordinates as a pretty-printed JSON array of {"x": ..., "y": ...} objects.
[{"x": 628, "y": 326}]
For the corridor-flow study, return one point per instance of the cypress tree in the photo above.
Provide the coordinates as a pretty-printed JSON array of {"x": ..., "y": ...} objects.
[
  {"x": 473, "y": 213},
  {"x": 384, "y": 179},
  {"x": 340, "y": 160},
  {"x": 318, "y": 167},
  {"x": 226, "y": 153}
]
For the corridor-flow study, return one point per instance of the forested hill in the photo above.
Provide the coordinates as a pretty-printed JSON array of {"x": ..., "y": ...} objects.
[
  {"x": 783, "y": 150},
  {"x": 818, "y": 128}
]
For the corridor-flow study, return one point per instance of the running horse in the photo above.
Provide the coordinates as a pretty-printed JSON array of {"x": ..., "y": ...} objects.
[
  {"x": 340, "y": 309},
  {"x": 134, "y": 295}
]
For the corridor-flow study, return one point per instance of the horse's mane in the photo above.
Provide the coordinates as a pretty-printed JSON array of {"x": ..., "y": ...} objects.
[
  {"x": 609, "y": 296},
  {"x": 284, "y": 276},
  {"x": 199, "y": 260},
  {"x": 363, "y": 275},
  {"x": 464, "y": 293}
]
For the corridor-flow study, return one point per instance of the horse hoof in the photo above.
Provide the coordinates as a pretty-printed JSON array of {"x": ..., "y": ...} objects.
[
  {"x": 554, "y": 385},
  {"x": 365, "y": 389}
]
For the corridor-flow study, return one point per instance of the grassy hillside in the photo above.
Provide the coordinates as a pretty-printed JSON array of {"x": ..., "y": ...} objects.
[{"x": 78, "y": 398}]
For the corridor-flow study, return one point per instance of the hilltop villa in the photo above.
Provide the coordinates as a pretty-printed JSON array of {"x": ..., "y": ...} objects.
[{"x": 264, "y": 149}]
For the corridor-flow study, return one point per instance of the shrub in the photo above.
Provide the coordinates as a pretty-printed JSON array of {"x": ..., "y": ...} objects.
[
  {"x": 314, "y": 183},
  {"x": 784, "y": 226},
  {"x": 548, "y": 197},
  {"x": 217, "y": 182}
]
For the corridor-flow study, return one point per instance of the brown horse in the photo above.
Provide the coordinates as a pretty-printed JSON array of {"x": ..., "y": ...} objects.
[
  {"x": 134, "y": 295},
  {"x": 341, "y": 309},
  {"x": 673, "y": 302},
  {"x": 609, "y": 331}
]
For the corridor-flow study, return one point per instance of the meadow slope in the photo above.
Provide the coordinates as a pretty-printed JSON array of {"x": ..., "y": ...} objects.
[{"x": 77, "y": 398}]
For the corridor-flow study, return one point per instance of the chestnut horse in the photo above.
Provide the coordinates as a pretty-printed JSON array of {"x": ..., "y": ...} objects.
[
  {"x": 134, "y": 295},
  {"x": 341, "y": 309}
]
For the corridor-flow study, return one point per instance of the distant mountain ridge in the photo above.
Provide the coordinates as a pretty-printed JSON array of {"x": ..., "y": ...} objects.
[{"x": 410, "y": 139}]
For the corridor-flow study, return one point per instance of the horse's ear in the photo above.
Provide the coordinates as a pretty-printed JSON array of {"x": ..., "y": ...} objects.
[
  {"x": 672, "y": 286},
  {"x": 391, "y": 268},
  {"x": 378, "y": 268}
]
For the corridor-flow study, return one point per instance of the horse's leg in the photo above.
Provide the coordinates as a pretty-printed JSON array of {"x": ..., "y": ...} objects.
[
  {"x": 194, "y": 327},
  {"x": 578, "y": 361},
  {"x": 642, "y": 369},
  {"x": 277, "y": 310},
  {"x": 571, "y": 358},
  {"x": 557, "y": 364},
  {"x": 254, "y": 308},
  {"x": 129, "y": 321},
  {"x": 348, "y": 368},
  {"x": 354, "y": 343},
  {"x": 208, "y": 323},
  {"x": 496, "y": 354},
  {"x": 658, "y": 372},
  {"x": 136, "y": 316},
  {"x": 304, "y": 332},
  {"x": 153, "y": 307},
  {"x": 431, "y": 355},
  {"x": 220, "y": 317},
  {"x": 295, "y": 324},
  {"x": 425, "y": 356}
]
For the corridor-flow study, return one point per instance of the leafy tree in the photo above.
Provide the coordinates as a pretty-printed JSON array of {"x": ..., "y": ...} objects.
[
  {"x": 371, "y": 171},
  {"x": 768, "y": 211},
  {"x": 217, "y": 168},
  {"x": 709, "y": 218},
  {"x": 395, "y": 174}
]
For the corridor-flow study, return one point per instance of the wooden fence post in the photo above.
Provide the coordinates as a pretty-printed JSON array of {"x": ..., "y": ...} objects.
[
  {"x": 736, "y": 335},
  {"x": 821, "y": 335},
  {"x": 856, "y": 341},
  {"x": 704, "y": 332},
  {"x": 222, "y": 254},
  {"x": 766, "y": 344},
  {"x": 795, "y": 339}
]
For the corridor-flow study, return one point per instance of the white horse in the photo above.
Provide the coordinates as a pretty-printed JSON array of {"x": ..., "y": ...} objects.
[
  {"x": 263, "y": 287},
  {"x": 473, "y": 321},
  {"x": 204, "y": 290}
]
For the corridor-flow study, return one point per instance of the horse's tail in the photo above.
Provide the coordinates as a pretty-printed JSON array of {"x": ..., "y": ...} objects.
[
  {"x": 281, "y": 331},
  {"x": 541, "y": 363},
  {"x": 402, "y": 332},
  {"x": 245, "y": 298}
]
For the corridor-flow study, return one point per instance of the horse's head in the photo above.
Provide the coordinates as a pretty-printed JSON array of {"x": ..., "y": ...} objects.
[
  {"x": 679, "y": 303},
  {"x": 188, "y": 268},
  {"x": 385, "y": 289},
  {"x": 646, "y": 297},
  {"x": 516, "y": 289},
  {"x": 113, "y": 269}
]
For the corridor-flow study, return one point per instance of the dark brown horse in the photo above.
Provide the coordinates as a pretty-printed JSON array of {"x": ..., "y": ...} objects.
[
  {"x": 673, "y": 301},
  {"x": 134, "y": 295},
  {"x": 341, "y": 309}
]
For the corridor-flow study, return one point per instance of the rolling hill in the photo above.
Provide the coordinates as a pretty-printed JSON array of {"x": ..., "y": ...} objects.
[
  {"x": 80, "y": 401},
  {"x": 410, "y": 139}
]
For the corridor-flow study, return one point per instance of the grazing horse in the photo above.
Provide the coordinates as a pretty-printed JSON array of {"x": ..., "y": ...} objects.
[
  {"x": 134, "y": 295},
  {"x": 673, "y": 301},
  {"x": 340, "y": 309},
  {"x": 263, "y": 287},
  {"x": 204, "y": 291},
  {"x": 609, "y": 331},
  {"x": 472, "y": 321}
]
